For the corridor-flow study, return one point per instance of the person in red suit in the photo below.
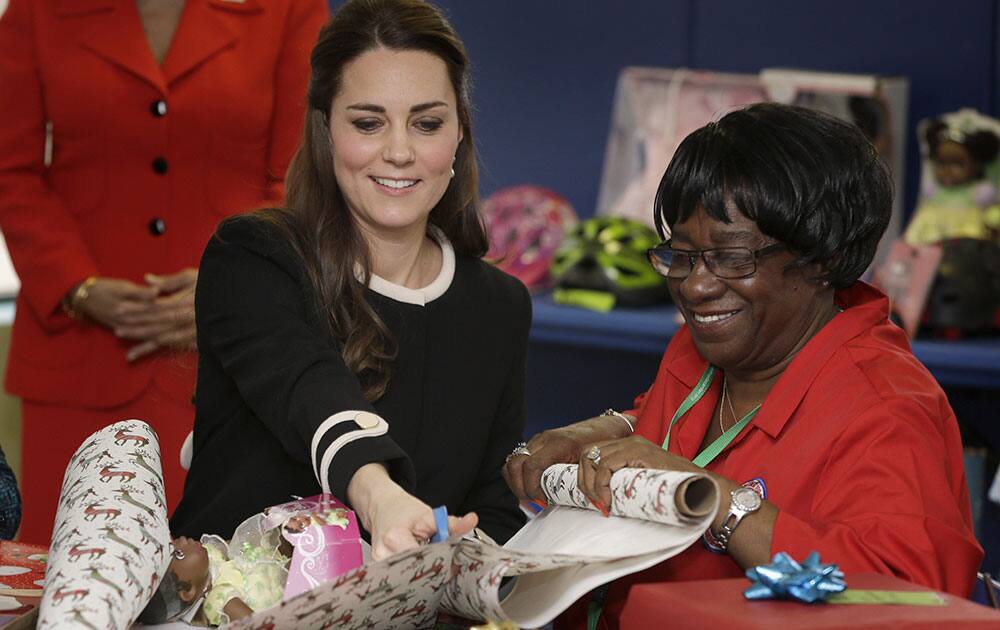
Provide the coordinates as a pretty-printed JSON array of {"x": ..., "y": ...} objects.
[
  {"x": 788, "y": 384},
  {"x": 130, "y": 130}
]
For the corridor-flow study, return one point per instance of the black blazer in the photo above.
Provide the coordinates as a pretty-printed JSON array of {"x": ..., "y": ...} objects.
[{"x": 269, "y": 375}]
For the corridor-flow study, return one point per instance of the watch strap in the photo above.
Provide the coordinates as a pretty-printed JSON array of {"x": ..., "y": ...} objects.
[{"x": 733, "y": 518}]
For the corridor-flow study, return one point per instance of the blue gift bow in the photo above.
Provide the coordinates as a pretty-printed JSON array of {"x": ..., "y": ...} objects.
[{"x": 785, "y": 578}]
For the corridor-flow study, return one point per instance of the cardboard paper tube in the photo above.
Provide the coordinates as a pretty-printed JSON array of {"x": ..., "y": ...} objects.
[{"x": 696, "y": 496}]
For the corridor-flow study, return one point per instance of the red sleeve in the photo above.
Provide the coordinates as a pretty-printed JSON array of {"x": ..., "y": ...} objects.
[
  {"x": 649, "y": 406},
  {"x": 890, "y": 500},
  {"x": 648, "y": 409},
  {"x": 305, "y": 19},
  {"x": 45, "y": 244}
]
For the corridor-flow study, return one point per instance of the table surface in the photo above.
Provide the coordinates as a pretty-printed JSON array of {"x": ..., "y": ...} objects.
[{"x": 963, "y": 363}]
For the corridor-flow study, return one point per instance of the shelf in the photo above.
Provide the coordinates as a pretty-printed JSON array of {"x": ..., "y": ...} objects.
[{"x": 973, "y": 363}]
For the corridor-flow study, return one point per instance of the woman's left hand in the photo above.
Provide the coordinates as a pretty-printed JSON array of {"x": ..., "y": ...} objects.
[
  {"x": 168, "y": 322},
  {"x": 631, "y": 452}
]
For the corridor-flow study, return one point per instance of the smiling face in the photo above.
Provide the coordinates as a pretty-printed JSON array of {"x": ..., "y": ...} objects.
[
  {"x": 751, "y": 326},
  {"x": 394, "y": 127}
]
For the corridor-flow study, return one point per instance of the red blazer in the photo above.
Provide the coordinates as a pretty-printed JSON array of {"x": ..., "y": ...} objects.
[
  {"x": 144, "y": 162},
  {"x": 856, "y": 445}
]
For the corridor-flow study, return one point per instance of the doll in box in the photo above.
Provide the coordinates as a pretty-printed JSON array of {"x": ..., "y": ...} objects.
[
  {"x": 273, "y": 555},
  {"x": 959, "y": 193},
  {"x": 222, "y": 582}
]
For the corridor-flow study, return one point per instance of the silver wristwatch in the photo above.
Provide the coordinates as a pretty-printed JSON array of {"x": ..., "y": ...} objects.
[{"x": 744, "y": 501}]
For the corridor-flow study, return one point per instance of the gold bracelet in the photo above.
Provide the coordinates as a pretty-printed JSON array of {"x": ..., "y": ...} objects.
[
  {"x": 618, "y": 414},
  {"x": 77, "y": 296}
]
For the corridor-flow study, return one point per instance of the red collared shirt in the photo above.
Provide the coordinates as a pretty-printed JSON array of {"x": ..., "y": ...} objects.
[{"x": 856, "y": 445}]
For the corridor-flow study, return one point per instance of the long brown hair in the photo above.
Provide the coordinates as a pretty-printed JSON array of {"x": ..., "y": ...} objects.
[{"x": 316, "y": 218}]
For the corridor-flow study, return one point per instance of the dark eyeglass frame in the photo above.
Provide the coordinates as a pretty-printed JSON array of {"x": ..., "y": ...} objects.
[{"x": 662, "y": 258}]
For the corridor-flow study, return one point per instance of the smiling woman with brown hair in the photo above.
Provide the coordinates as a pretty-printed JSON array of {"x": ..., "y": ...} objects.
[
  {"x": 788, "y": 383},
  {"x": 354, "y": 341}
]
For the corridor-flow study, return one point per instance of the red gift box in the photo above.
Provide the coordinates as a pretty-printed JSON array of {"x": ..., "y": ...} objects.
[
  {"x": 22, "y": 567},
  {"x": 720, "y": 604}
]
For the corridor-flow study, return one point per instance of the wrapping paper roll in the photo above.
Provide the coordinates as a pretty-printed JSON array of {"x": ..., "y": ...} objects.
[
  {"x": 663, "y": 496},
  {"x": 111, "y": 542}
]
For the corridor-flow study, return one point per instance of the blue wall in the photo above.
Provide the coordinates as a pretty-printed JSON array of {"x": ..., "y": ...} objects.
[{"x": 545, "y": 71}]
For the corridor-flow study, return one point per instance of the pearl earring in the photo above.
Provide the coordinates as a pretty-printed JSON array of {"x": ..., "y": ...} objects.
[{"x": 453, "y": 172}]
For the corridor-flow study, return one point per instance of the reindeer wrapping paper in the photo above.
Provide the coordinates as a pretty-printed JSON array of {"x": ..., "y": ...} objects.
[
  {"x": 111, "y": 539},
  {"x": 111, "y": 546},
  {"x": 560, "y": 555}
]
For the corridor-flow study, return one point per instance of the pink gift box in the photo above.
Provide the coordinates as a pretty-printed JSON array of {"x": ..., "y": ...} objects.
[{"x": 326, "y": 538}]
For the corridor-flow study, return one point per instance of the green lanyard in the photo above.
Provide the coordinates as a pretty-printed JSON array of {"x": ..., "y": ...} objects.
[
  {"x": 702, "y": 460},
  {"x": 720, "y": 443}
]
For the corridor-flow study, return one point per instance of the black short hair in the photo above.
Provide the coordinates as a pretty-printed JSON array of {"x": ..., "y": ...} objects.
[{"x": 809, "y": 180}]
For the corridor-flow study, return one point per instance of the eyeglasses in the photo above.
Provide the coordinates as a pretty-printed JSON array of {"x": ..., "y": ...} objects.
[{"x": 730, "y": 263}]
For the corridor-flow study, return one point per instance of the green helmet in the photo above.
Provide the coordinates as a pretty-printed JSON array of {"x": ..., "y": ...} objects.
[{"x": 602, "y": 262}]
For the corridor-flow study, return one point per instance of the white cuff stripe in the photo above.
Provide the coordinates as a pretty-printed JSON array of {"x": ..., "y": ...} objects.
[
  {"x": 380, "y": 429},
  {"x": 322, "y": 473},
  {"x": 321, "y": 430}
]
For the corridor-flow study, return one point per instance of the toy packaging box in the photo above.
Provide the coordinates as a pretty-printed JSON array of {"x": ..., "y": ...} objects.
[
  {"x": 656, "y": 108},
  {"x": 326, "y": 538}
]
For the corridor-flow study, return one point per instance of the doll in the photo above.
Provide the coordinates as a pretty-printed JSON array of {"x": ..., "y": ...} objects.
[
  {"x": 959, "y": 194},
  {"x": 220, "y": 581}
]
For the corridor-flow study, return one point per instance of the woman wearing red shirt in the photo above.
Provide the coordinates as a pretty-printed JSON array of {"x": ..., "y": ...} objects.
[
  {"x": 160, "y": 118},
  {"x": 788, "y": 383}
]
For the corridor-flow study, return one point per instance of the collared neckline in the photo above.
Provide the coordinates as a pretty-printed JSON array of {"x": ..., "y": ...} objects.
[
  {"x": 434, "y": 290},
  {"x": 863, "y": 307}
]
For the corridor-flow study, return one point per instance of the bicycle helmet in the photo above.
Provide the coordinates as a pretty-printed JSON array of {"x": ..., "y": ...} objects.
[
  {"x": 525, "y": 226},
  {"x": 602, "y": 263}
]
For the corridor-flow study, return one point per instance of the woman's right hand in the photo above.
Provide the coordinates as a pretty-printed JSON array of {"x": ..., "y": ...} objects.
[
  {"x": 109, "y": 299},
  {"x": 557, "y": 446},
  {"x": 396, "y": 519}
]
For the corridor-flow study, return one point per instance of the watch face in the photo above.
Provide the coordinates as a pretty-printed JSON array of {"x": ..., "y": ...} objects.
[{"x": 745, "y": 499}]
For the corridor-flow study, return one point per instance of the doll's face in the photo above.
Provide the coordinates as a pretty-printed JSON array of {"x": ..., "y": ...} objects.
[
  {"x": 190, "y": 565},
  {"x": 298, "y": 524},
  {"x": 954, "y": 165}
]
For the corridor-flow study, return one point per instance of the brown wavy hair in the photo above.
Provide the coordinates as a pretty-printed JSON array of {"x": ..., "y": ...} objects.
[{"x": 316, "y": 218}]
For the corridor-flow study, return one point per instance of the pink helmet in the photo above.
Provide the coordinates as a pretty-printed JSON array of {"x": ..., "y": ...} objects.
[{"x": 526, "y": 225}]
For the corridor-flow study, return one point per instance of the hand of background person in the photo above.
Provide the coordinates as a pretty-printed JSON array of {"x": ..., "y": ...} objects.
[
  {"x": 164, "y": 322},
  {"x": 110, "y": 298},
  {"x": 523, "y": 473},
  {"x": 396, "y": 520},
  {"x": 630, "y": 452}
]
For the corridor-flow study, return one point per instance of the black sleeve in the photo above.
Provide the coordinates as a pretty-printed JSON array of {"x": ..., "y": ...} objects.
[
  {"x": 499, "y": 514},
  {"x": 252, "y": 308}
]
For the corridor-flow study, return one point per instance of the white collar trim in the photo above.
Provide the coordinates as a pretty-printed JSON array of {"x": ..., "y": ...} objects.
[{"x": 432, "y": 291}]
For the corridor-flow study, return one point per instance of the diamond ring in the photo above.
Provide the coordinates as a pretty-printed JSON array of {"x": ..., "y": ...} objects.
[
  {"x": 521, "y": 448},
  {"x": 594, "y": 455}
]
